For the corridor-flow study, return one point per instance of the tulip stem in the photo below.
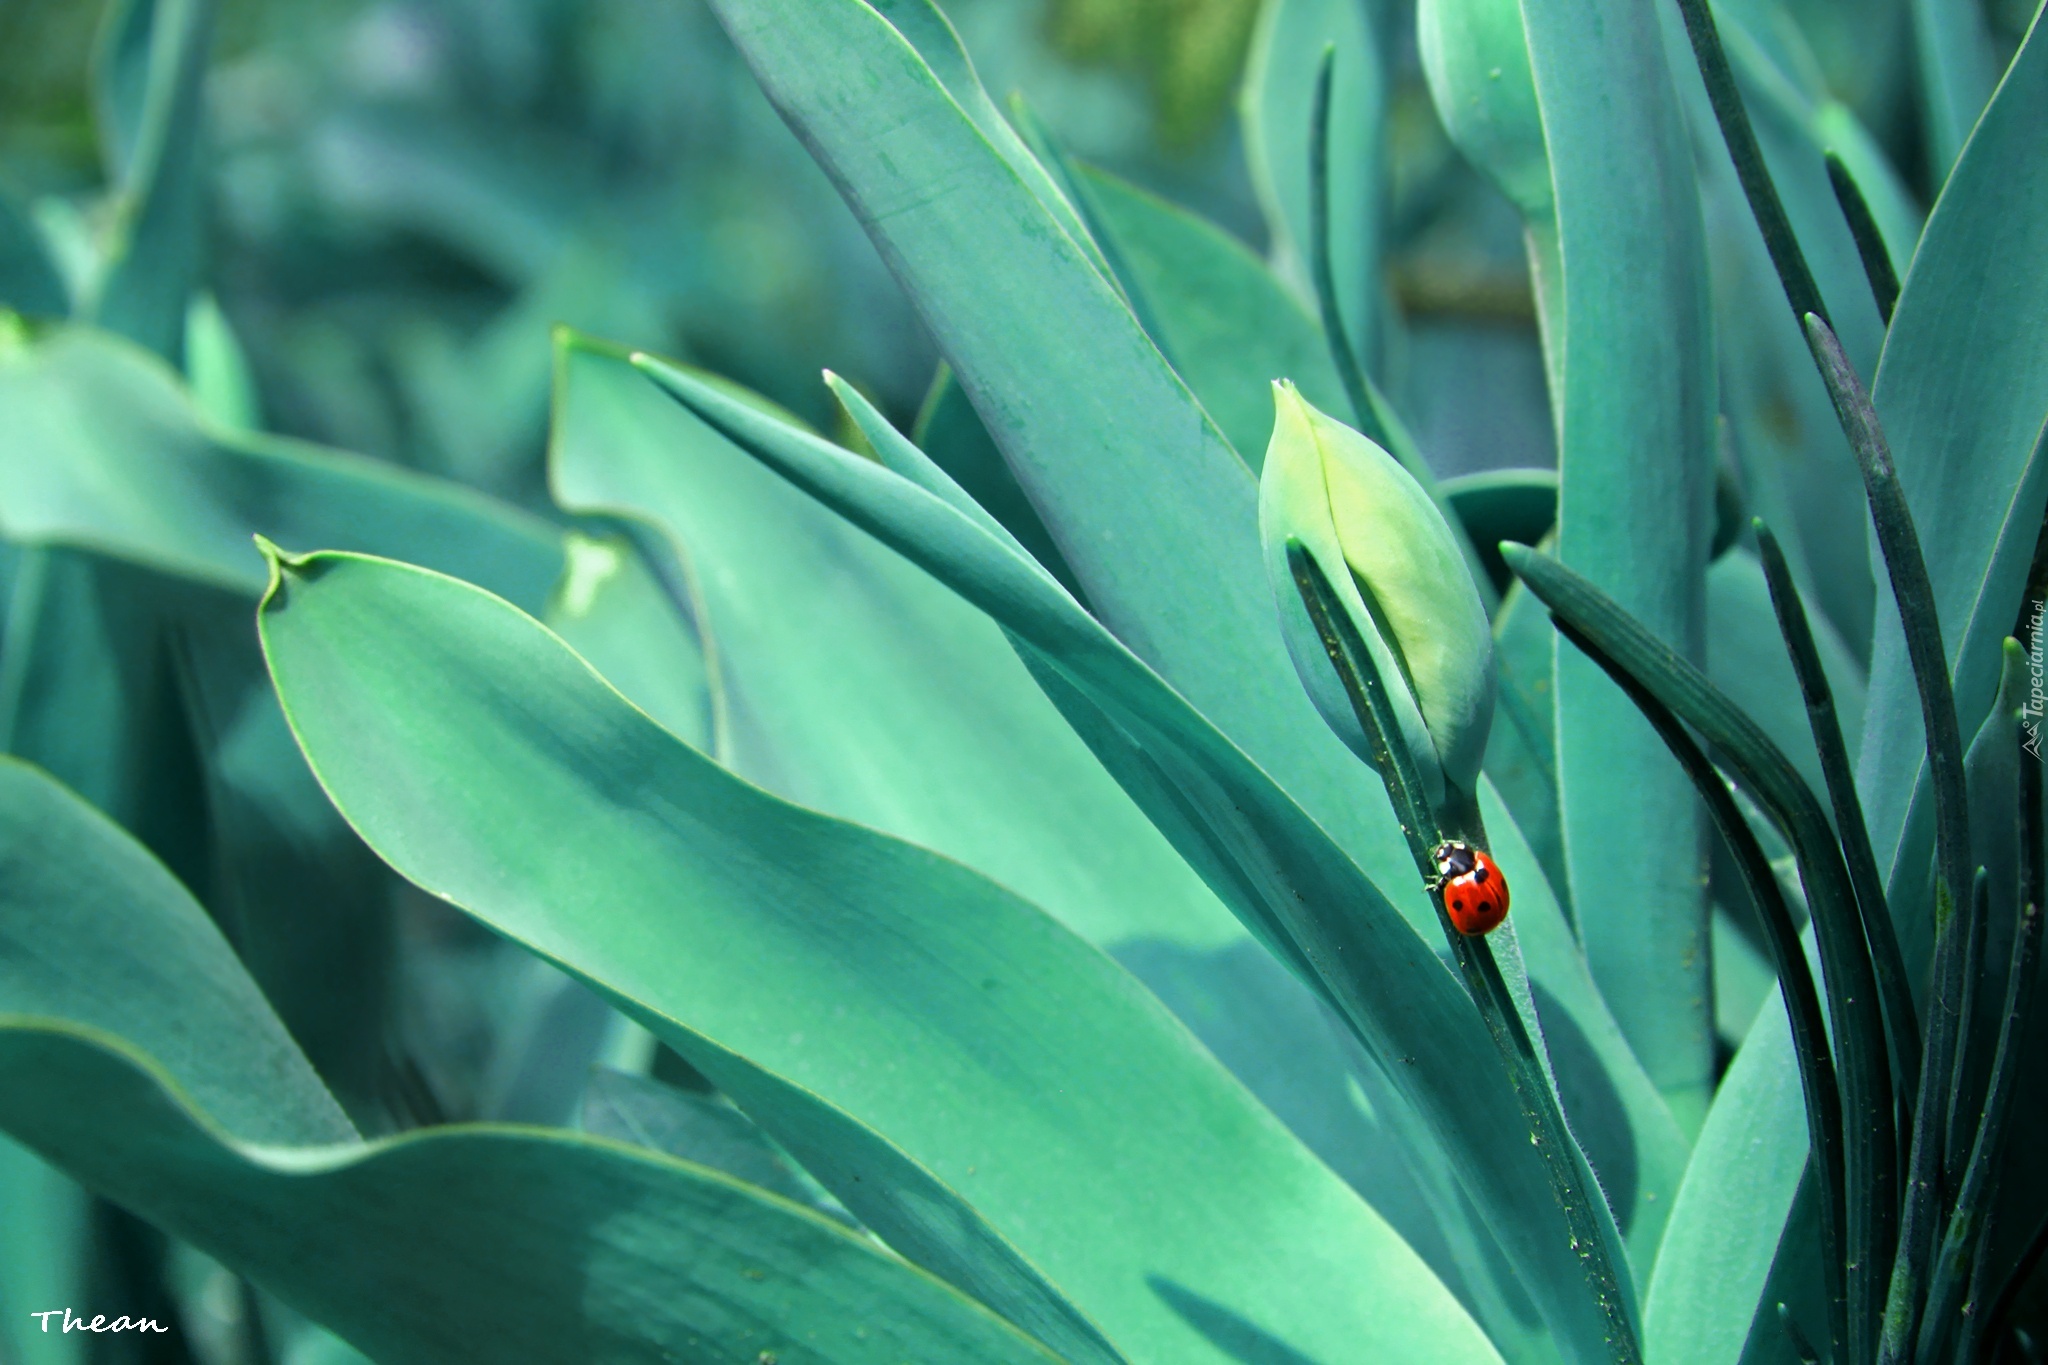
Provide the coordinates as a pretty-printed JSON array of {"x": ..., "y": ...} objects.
[{"x": 1592, "y": 1236}]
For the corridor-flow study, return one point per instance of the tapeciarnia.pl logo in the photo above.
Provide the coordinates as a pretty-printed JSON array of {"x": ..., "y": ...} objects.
[
  {"x": 2037, "y": 684},
  {"x": 99, "y": 1323}
]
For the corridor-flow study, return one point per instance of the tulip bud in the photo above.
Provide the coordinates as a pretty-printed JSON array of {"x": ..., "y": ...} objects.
[
  {"x": 1476, "y": 58},
  {"x": 1395, "y": 564}
]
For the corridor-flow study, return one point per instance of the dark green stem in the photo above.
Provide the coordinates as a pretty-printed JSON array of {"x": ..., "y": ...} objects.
[
  {"x": 1964, "y": 1242},
  {"x": 1565, "y": 1165},
  {"x": 1795, "y": 978},
  {"x": 1870, "y": 1123},
  {"x": 1877, "y": 257},
  {"x": 1837, "y": 773},
  {"x": 1800, "y": 290}
]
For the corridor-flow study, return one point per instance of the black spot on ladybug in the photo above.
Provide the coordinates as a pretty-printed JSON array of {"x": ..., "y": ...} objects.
[{"x": 1479, "y": 875}]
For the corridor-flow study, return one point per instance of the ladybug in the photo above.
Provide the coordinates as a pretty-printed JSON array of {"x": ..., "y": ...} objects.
[{"x": 1475, "y": 893}]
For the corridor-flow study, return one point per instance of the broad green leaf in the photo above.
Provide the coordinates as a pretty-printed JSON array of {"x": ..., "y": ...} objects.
[
  {"x": 1957, "y": 67},
  {"x": 1635, "y": 421},
  {"x": 856, "y": 686},
  {"x": 88, "y": 691},
  {"x": 1963, "y": 394},
  {"x": 1279, "y": 871},
  {"x": 989, "y": 774},
  {"x": 1153, "y": 511},
  {"x": 487, "y": 1244},
  {"x": 1732, "y": 1206},
  {"x": 467, "y": 1244},
  {"x": 222, "y": 385},
  {"x": 912, "y": 1033},
  {"x": 698, "y": 1128},
  {"x": 628, "y": 603},
  {"x": 950, "y": 431},
  {"x": 95, "y": 933},
  {"x": 1275, "y": 107},
  {"x": 1227, "y": 324},
  {"x": 157, "y": 51},
  {"x": 107, "y": 452}
]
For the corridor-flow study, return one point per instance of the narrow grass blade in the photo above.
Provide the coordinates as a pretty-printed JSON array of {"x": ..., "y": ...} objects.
[
  {"x": 1899, "y": 541},
  {"x": 1321, "y": 270},
  {"x": 1926, "y": 1193},
  {"x": 1871, "y": 1146},
  {"x": 1837, "y": 772},
  {"x": 1817, "y": 1078},
  {"x": 1976, "y": 1199},
  {"x": 1877, "y": 257},
  {"x": 1593, "y": 1236},
  {"x": 1800, "y": 290}
]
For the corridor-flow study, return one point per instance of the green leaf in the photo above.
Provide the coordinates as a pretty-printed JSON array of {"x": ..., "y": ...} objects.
[
  {"x": 1746, "y": 659},
  {"x": 856, "y": 686},
  {"x": 702, "y": 1129},
  {"x": 1305, "y": 900},
  {"x": 1831, "y": 748},
  {"x": 1817, "y": 1074},
  {"x": 1275, "y": 106},
  {"x": 1732, "y": 1208},
  {"x": 919, "y": 1016},
  {"x": 158, "y": 51},
  {"x": 1229, "y": 326},
  {"x": 1870, "y": 243},
  {"x": 950, "y": 431},
  {"x": 96, "y": 934},
  {"x": 1073, "y": 391},
  {"x": 1521, "y": 755},
  {"x": 1962, "y": 392},
  {"x": 1503, "y": 504},
  {"x": 1957, "y": 68},
  {"x": 107, "y": 452},
  {"x": 42, "y": 1231},
  {"x": 1636, "y": 367},
  {"x": 1857, "y": 1026},
  {"x": 628, "y": 603},
  {"x": 475, "y": 1244}
]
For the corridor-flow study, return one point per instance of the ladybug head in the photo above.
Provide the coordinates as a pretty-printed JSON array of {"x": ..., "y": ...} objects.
[{"x": 1455, "y": 858}]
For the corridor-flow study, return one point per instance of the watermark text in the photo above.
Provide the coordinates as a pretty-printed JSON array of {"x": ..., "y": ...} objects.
[{"x": 99, "y": 1322}]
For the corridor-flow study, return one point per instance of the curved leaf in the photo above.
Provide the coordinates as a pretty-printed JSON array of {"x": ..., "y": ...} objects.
[
  {"x": 1636, "y": 367},
  {"x": 856, "y": 686},
  {"x": 1227, "y": 324},
  {"x": 1275, "y": 108},
  {"x": 1733, "y": 1205},
  {"x": 156, "y": 57},
  {"x": 1269, "y": 860},
  {"x": 1146, "y": 500},
  {"x": 1962, "y": 391},
  {"x": 912, "y": 1033},
  {"x": 106, "y": 452},
  {"x": 486, "y": 1244}
]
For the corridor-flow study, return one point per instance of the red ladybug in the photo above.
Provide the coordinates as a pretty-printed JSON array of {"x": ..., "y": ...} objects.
[{"x": 1475, "y": 893}]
